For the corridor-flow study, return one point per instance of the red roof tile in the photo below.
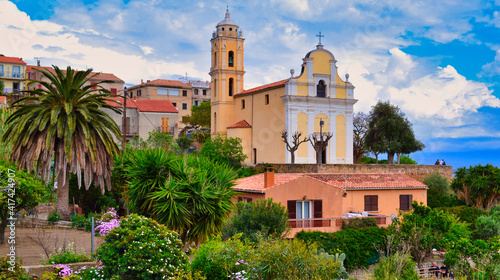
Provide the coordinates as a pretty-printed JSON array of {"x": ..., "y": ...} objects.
[
  {"x": 99, "y": 77},
  {"x": 240, "y": 124},
  {"x": 355, "y": 181},
  {"x": 370, "y": 181},
  {"x": 8, "y": 59},
  {"x": 164, "y": 82},
  {"x": 264, "y": 87},
  {"x": 146, "y": 105},
  {"x": 256, "y": 182}
]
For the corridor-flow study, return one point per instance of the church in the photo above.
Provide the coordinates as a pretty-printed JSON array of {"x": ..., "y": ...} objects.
[{"x": 314, "y": 102}]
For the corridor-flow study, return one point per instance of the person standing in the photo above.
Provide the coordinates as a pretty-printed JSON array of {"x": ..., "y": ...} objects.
[
  {"x": 444, "y": 271},
  {"x": 434, "y": 271}
]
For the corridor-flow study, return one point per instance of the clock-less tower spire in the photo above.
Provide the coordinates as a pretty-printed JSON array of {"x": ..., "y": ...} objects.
[{"x": 226, "y": 71}]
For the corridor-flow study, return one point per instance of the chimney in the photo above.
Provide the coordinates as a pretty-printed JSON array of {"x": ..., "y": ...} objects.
[
  {"x": 142, "y": 82},
  {"x": 38, "y": 63},
  {"x": 268, "y": 177}
]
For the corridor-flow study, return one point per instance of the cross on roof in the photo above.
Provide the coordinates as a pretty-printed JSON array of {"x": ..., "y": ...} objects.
[{"x": 319, "y": 36}]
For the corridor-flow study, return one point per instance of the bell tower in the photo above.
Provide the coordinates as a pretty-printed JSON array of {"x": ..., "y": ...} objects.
[{"x": 227, "y": 73}]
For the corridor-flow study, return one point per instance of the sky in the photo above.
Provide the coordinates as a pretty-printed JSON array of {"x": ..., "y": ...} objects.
[{"x": 439, "y": 61}]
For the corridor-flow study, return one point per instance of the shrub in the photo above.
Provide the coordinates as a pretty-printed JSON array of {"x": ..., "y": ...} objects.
[
  {"x": 359, "y": 245},
  {"x": 217, "y": 260},
  {"x": 18, "y": 272},
  {"x": 465, "y": 214},
  {"x": 228, "y": 150},
  {"x": 141, "y": 248},
  {"x": 487, "y": 227},
  {"x": 54, "y": 217},
  {"x": 439, "y": 193},
  {"x": 397, "y": 266},
  {"x": 262, "y": 217},
  {"x": 67, "y": 255},
  {"x": 359, "y": 223}
]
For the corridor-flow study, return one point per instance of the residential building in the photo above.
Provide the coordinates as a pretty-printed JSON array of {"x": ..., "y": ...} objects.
[
  {"x": 144, "y": 116},
  {"x": 116, "y": 86},
  {"x": 177, "y": 92},
  {"x": 201, "y": 91},
  {"x": 12, "y": 73},
  {"x": 322, "y": 201},
  {"x": 315, "y": 102}
]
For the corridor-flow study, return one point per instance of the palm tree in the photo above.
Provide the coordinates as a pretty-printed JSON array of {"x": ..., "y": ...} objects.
[
  {"x": 189, "y": 194},
  {"x": 62, "y": 121}
]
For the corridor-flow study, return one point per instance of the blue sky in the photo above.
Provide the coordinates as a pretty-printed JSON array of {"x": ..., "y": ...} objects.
[{"x": 439, "y": 61}]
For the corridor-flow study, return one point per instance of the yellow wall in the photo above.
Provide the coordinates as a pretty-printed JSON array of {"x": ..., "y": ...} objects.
[
  {"x": 303, "y": 77},
  {"x": 302, "y": 90},
  {"x": 8, "y": 80},
  {"x": 326, "y": 126},
  {"x": 302, "y": 127},
  {"x": 321, "y": 63},
  {"x": 340, "y": 136},
  {"x": 388, "y": 200},
  {"x": 245, "y": 135}
]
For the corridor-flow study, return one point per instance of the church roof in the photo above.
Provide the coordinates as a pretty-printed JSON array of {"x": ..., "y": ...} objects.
[
  {"x": 240, "y": 124},
  {"x": 227, "y": 20},
  {"x": 264, "y": 87}
]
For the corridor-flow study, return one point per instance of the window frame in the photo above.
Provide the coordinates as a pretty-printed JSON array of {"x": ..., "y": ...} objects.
[
  {"x": 230, "y": 59},
  {"x": 184, "y": 93},
  {"x": 409, "y": 200},
  {"x": 184, "y": 106},
  {"x": 371, "y": 205}
]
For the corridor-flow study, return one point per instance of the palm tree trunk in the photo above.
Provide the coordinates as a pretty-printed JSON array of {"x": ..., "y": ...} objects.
[
  {"x": 3, "y": 225},
  {"x": 62, "y": 205}
]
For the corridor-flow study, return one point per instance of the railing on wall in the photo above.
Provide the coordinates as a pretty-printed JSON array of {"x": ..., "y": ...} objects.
[
  {"x": 131, "y": 130},
  {"x": 332, "y": 222},
  {"x": 11, "y": 75}
]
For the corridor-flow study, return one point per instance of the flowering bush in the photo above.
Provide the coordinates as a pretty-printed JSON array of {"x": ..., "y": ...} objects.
[
  {"x": 67, "y": 255},
  {"x": 109, "y": 221},
  {"x": 140, "y": 248},
  {"x": 17, "y": 273}
]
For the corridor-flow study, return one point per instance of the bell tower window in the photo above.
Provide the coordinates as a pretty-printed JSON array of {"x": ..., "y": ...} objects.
[
  {"x": 231, "y": 86},
  {"x": 230, "y": 59},
  {"x": 321, "y": 89}
]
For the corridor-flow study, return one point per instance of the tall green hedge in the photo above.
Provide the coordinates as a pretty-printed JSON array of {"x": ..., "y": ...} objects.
[{"x": 359, "y": 245}]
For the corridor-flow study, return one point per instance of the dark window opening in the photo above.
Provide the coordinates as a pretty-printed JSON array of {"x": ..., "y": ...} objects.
[
  {"x": 175, "y": 104},
  {"x": 405, "y": 202},
  {"x": 195, "y": 91},
  {"x": 204, "y": 92},
  {"x": 242, "y": 104},
  {"x": 321, "y": 89},
  {"x": 138, "y": 92},
  {"x": 254, "y": 155},
  {"x": 230, "y": 59},
  {"x": 184, "y": 106},
  {"x": 231, "y": 85},
  {"x": 267, "y": 99},
  {"x": 371, "y": 202},
  {"x": 184, "y": 93}
]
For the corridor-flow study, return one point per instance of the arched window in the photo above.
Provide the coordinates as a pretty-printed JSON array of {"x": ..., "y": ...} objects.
[
  {"x": 230, "y": 59},
  {"x": 231, "y": 85},
  {"x": 215, "y": 59},
  {"x": 321, "y": 89}
]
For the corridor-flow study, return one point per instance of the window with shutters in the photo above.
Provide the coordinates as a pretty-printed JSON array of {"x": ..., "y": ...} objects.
[
  {"x": 244, "y": 199},
  {"x": 305, "y": 209},
  {"x": 114, "y": 91},
  {"x": 371, "y": 202},
  {"x": 164, "y": 125},
  {"x": 184, "y": 93},
  {"x": 405, "y": 202}
]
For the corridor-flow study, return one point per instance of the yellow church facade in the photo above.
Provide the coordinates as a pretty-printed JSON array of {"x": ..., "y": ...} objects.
[{"x": 316, "y": 101}]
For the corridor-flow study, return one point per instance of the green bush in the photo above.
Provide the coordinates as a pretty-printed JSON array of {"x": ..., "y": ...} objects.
[
  {"x": 141, "y": 248},
  {"x": 397, "y": 266},
  {"x": 54, "y": 217},
  {"x": 258, "y": 218},
  {"x": 440, "y": 193},
  {"x": 467, "y": 214},
  {"x": 217, "y": 260},
  {"x": 487, "y": 227},
  {"x": 269, "y": 259},
  {"x": 67, "y": 255},
  {"x": 359, "y": 245},
  {"x": 224, "y": 150},
  {"x": 359, "y": 223},
  {"x": 19, "y": 273}
]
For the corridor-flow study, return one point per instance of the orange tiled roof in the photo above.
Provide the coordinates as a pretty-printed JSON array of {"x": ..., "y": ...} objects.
[
  {"x": 256, "y": 182},
  {"x": 99, "y": 77},
  {"x": 264, "y": 87},
  {"x": 146, "y": 105},
  {"x": 356, "y": 181},
  {"x": 8, "y": 59},
  {"x": 164, "y": 82},
  {"x": 240, "y": 124}
]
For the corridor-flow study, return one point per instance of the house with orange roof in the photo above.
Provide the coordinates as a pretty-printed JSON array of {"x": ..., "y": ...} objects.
[
  {"x": 182, "y": 94},
  {"x": 315, "y": 102},
  {"x": 144, "y": 116},
  {"x": 322, "y": 201},
  {"x": 116, "y": 86},
  {"x": 12, "y": 73}
]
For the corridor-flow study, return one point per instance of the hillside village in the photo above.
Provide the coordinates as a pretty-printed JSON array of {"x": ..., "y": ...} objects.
[{"x": 286, "y": 149}]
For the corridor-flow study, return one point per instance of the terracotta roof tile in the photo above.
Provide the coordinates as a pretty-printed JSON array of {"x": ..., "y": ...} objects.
[
  {"x": 264, "y": 87},
  {"x": 240, "y": 124},
  {"x": 256, "y": 182},
  {"x": 355, "y": 181},
  {"x": 146, "y": 105},
  {"x": 164, "y": 82},
  {"x": 370, "y": 181},
  {"x": 8, "y": 59},
  {"x": 99, "y": 77}
]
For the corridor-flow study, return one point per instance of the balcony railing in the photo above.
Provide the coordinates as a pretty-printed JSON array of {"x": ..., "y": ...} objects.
[
  {"x": 166, "y": 129},
  {"x": 11, "y": 75},
  {"x": 131, "y": 130},
  {"x": 332, "y": 222}
]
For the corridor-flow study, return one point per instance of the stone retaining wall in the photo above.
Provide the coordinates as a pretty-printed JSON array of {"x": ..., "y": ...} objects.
[
  {"x": 38, "y": 270},
  {"x": 415, "y": 171}
]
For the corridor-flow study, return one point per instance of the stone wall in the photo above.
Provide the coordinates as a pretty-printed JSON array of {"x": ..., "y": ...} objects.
[{"x": 418, "y": 172}]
